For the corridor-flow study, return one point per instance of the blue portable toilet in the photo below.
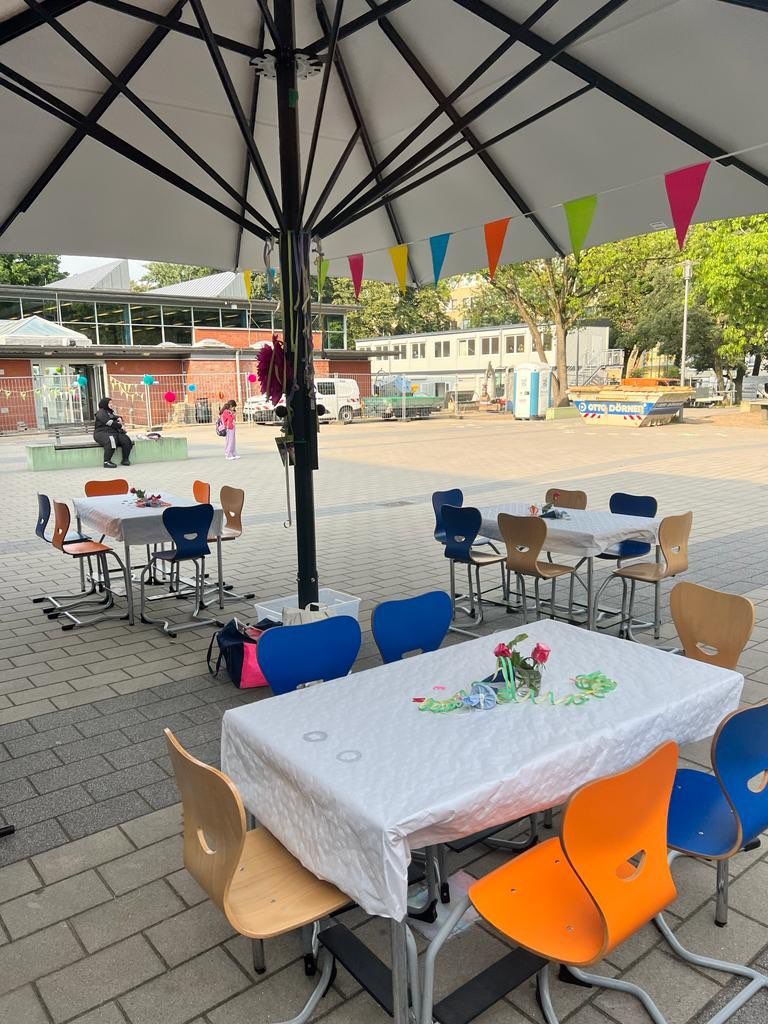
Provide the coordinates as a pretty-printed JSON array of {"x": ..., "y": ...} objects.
[{"x": 532, "y": 391}]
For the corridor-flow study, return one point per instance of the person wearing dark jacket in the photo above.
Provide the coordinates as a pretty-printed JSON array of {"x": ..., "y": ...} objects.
[{"x": 109, "y": 432}]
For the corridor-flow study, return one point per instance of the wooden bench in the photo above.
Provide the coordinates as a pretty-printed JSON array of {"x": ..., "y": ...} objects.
[
  {"x": 87, "y": 454},
  {"x": 760, "y": 407}
]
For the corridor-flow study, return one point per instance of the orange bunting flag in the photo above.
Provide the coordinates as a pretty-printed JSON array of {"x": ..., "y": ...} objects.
[
  {"x": 495, "y": 233},
  {"x": 399, "y": 256}
]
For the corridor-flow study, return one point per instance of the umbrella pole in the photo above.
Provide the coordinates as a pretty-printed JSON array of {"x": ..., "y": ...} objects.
[{"x": 297, "y": 331}]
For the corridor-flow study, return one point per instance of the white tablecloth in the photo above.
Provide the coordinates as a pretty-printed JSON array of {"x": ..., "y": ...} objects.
[
  {"x": 351, "y": 776},
  {"x": 582, "y": 533},
  {"x": 118, "y": 517}
]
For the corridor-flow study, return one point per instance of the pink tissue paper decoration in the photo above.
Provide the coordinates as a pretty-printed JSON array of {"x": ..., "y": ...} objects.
[
  {"x": 252, "y": 378},
  {"x": 683, "y": 192},
  {"x": 170, "y": 397},
  {"x": 273, "y": 370}
]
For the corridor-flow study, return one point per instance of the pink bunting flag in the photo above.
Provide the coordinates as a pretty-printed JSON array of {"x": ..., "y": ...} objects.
[
  {"x": 683, "y": 192},
  {"x": 356, "y": 270}
]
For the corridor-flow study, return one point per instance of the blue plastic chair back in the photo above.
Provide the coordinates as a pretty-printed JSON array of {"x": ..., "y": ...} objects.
[
  {"x": 290, "y": 656},
  {"x": 439, "y": 499},
  {"x": 740, "y": 759},
  {"x": 189, "y": 526},
  {"x": 415, "y": 624},
  {"x": 462, "y": 525},
  {"x": 43, "y": 516},
  {"x": 631, "y": 505}
]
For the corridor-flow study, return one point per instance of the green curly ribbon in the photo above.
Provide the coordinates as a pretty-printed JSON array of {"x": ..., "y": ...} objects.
[{"x": 593, "y": 685}]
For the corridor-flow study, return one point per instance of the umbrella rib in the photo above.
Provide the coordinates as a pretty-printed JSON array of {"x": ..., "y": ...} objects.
[
  {"x": 26, "y": 21},
  {"x": 551, "y": 50},
  {"x": 357, "y": 117},
  {"x": 333, "y": 177},
  {"x": 469, "y": 136},
  {"x": 414, "y": 184},
  {"x": 332, "y": 42},
  {"x": 181, "y": 27},
  {"x": 460, "y": 89},
  {"x": 356, "y": 24},
  {"x": 269, "y": 21},
  {"x": 145, "y": 109},
  {"x": 36, "y": 94},
  {"x": 237, "y": 109},
  {"x": 246, "y": 157},
  {"x": 136, "y": 62},
  {"x": 611, "y": 88}
]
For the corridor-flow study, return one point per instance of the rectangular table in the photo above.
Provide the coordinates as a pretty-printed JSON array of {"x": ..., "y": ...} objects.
[
  {"x": 583, "y": 534},
  {"x": 351, "y": 776},
  {"x": 117, "y": 516}
]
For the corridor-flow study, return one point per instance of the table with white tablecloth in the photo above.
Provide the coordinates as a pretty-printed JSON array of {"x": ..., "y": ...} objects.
[
  {"x": 351, "y": 775},
  {"x": 581, "y": 533},
  {"x": 119, "y": 517}
]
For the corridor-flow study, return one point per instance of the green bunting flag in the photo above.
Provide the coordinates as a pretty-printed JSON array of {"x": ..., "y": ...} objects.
[
  {"x": 322, "y": 273},
  {"x": 579, "y": 214}
]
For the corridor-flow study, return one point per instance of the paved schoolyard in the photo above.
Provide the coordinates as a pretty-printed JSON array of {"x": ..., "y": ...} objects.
[{"x": 99, "y": 923}]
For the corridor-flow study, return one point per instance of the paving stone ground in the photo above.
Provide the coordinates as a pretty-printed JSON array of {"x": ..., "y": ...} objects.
[{"x": 100, "y": 923}]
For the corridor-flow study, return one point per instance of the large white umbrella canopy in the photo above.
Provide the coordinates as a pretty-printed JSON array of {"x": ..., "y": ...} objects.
[
  {"x": 187, "y": 130},
  {"x": 591, "y": 97}
]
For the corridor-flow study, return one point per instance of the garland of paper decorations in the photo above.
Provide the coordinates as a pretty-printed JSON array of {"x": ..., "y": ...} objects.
[
  {"x": 483, "y": 696},
  {"x": 683, "y": 188}
]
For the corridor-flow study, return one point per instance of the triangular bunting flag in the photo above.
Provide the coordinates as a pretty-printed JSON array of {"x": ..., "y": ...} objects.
[
  {"x": 579, "y": 214},
  {"x": 322, "y": 273},
  {"x": 495, "y": 232},
  {"x": 683, "y": 192},
  {"x": 248, "y": 277},
  {"x": 439, "y": 246},
  {"x": 356, "y": 270},
  {"x": 399, "y": 256}
]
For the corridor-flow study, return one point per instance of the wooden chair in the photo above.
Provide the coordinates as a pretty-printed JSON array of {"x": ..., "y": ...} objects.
[
  {"x": 524, "y": 537},
  {"x": 713, "y": 627},
  {"x": 87, "y": 549},
  {"x": 201, "y": 492},
  {"x": 674, "y": 532},
  {"x": 566, "y": 499},
  {"x": 232, "y": 500},
  {"x": 260, "y": 887},
  {"x": 104, "y": 488}
]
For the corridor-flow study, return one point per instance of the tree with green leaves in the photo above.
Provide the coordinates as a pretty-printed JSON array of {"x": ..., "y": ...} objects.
[
  {"x": 385, "y": 311},
  {"x": 29, "y": 268}
]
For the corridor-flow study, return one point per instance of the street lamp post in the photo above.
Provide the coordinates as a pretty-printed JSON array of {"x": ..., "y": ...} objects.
[{"x": 687, "y": 277}]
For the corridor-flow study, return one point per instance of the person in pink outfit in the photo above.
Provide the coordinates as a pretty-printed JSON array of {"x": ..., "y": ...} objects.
[{"x": 229, "y": 421}]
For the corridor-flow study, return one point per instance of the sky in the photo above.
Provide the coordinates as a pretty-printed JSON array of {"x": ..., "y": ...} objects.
[{"x": 77, "y": 264}]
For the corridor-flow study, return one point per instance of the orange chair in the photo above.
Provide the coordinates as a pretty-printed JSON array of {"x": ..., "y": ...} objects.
[
  {"x": 573, "y": 899},
  {"x": 201, "y": 492},
  {"x": 88, "y": 549},
  {"x": 104, "y": 488}
]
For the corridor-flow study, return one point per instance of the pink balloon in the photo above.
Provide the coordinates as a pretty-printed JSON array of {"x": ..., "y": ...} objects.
[
  {"x": 252, "y": 378},
  {"x": 170, "y": 397}
]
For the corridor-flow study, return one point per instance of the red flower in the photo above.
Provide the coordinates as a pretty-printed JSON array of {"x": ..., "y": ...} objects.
[
  {"x": 133, "y": 490},
  {"x": 502, "y": 651},
  {"x": 541, "y": 653},
  {"x": 556, "y": 496}
]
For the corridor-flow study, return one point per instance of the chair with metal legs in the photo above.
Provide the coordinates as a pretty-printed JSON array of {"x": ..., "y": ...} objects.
[
  {"x": 293, "y": 656},
  {"x": 674, "y": 532},
  {"x": 201, "y": 492},
  {"x": 714, "y": 627},
  {"x": 524, "y": 537},
  {"x": 561, "y": 498},
  {"x": 715, "y": 817},
  {"x": 262, "y": 890},
  {"x": 188, "y": 526},
  {"x": 642, "y": 505},
  {"x": 232, "y": 500},
  {"x": 82, "y": 550},
  {"x": 452, "y": 497},
  {"x": 55, "y": 603},
  {"x": 462, "y": 526},
  {"x": 576, "y": 897},
  {"x": 413, "y": 624},
  {"x": 105, "y": 488}
]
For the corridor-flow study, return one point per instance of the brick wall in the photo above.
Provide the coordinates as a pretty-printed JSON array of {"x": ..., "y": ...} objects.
[
  {"x": 17, "y": 397},
  {"x": 242, "y": 337}
]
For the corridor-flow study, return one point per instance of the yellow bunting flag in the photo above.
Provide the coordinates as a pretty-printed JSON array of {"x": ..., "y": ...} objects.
[
  {"x": 248, "y": 278},
  {"x": 399, "y": 257}
]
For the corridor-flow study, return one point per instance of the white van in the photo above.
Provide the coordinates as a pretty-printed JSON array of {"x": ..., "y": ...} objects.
[{"x": 339, "y": 395}]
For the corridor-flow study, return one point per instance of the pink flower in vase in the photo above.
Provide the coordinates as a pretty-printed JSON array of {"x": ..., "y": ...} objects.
[
  {"x": 502, "y": 651},
  {"x": 533, "y": 510},
  {"x": 540, "y": 654}
]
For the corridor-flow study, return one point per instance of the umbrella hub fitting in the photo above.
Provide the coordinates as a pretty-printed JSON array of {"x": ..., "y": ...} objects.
[{"x": 307, "y": 65}]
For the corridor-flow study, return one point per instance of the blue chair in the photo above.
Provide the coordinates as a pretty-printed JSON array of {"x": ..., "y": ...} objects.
[
  {"x": 189, "y": 527},
  {"x": 451, "y": 497},
  {"x": 60, "y": 602},
  {"x": 462, "y": 526},
  {"x": 717, "y": 816},
  {"x": 415, "y": 624},
  {"x": 292, "y": 656},
  {"x": 630, "y": 505}
]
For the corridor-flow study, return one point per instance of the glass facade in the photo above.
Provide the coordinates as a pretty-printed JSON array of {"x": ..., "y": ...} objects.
[
  {"x": 46, "y": 308},
  {"x": 10, "y": 309}
]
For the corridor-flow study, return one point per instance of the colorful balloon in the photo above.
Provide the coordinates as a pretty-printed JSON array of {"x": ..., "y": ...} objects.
[
  {"x": 170, "y": 397},
  {"x": 252, "y": 378},
  {"x": 148, "y": 378},
  {"x": 192, "y": 387},
  {"x": 82, "y": 381}
]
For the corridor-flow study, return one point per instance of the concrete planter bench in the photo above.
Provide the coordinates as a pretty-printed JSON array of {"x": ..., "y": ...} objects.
[{"x": 83, "y": 456}]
